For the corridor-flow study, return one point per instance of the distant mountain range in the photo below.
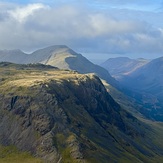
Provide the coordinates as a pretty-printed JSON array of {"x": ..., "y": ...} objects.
[
  {"x": 121, "y": 66},
  {"x": 148, "y": 77},
  {"x": 59, "y": 56},
  {"x": 144, "y": 78},
  {"x": 139, "y": 78}
]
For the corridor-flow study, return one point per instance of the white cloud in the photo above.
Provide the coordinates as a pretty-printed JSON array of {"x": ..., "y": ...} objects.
[
  {"x": 34, "y": 26},
  {"x": 21, "y": 13}
]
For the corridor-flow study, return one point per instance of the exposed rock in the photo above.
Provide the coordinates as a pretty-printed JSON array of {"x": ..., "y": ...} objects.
[{"x": 63, "y": 116}]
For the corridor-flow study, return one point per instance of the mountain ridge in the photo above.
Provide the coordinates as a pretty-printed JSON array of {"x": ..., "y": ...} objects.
[
  {"x": 15, "y": 56},
  {"x": 121, "y": 66},
  {"x": 63, "y": 57}
]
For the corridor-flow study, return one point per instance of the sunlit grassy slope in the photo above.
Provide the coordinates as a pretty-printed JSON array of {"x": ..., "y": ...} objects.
[
  {"x": 73, "y": 101},
  {"x": 129, "y": 104},
  {"x": 10, "y": 154}
]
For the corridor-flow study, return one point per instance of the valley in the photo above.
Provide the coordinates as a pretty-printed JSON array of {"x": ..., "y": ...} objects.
[{"x": 143, "y": 83}]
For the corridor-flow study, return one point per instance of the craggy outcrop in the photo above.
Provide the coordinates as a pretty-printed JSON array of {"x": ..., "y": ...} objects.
[{"x": 63, "y": 116}]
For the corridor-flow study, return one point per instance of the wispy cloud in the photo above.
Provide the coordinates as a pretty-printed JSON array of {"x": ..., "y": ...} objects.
[
  {"x": 36, "y": 25},
  {"x": 21, "y": 13}
]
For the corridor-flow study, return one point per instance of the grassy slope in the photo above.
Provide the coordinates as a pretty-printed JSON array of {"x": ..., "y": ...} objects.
[
  {"x": 156, "y": 132},
  {"x": 20, "y": 81},
  {"x": 11, "y": 154}
]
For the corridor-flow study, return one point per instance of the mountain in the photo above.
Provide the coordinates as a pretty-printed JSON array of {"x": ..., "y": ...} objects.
[
  {"x": 63, "y": 57},
  {"x": 121, "y": 66},
  {"x": 59, "y": 56},
  {"x": 63, "y": 116},
  {"x": 14, "y": 56},
  {"x": 146, "y": 84},
  {"x": 148, "y": 77}
]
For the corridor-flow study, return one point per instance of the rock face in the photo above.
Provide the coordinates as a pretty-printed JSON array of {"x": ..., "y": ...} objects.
[{"x": 63, "y": 116}]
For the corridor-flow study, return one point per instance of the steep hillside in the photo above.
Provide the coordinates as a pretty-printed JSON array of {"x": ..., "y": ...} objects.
[
  {"x": 141, "y": 80},
  {"x": 147, "y": 86},
  {"x": 120, "y": 66},
  {"x": 148, "y": 76},
  {"x": 64, "y": 116},
  {"x": 131, "y": 105}
]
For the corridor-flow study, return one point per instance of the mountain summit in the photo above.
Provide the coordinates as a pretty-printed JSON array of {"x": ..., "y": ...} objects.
[{"x": 62, "y": 57}]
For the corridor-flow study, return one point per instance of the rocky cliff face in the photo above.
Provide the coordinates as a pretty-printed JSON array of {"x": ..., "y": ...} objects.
[{"x": 64, "y": 116}]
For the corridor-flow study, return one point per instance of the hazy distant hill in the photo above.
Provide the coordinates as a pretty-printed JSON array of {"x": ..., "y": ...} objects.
[
  {"x": 146, "y": 82},
  {"x": 148, "y": 78},
  {"x": 64, "y": 116},
  {"x": 120, "y": 66},
  {"x": 148, "y": 75},
  {"x": 15, "y": 56},
  {"x": 62, "y": 57}
]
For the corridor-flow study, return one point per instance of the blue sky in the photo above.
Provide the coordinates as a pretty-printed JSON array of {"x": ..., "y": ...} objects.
[
  {"x": 133, "y": 4},
  {"x": 96, "y": 28}
]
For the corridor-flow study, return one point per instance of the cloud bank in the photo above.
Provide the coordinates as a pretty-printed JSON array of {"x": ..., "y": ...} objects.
[{"x": 37, "y": 25}]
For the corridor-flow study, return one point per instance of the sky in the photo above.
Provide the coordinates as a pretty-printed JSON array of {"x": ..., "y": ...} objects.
[{"x": 96, "y": 28}]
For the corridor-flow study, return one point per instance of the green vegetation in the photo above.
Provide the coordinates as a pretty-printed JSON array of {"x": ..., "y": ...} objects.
[
  {"x": 153, "y": 130},
  {"x": 69, "y": 117},
  {"x": 60, "y": 141},
  {"x": 10, "y": 154}
]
